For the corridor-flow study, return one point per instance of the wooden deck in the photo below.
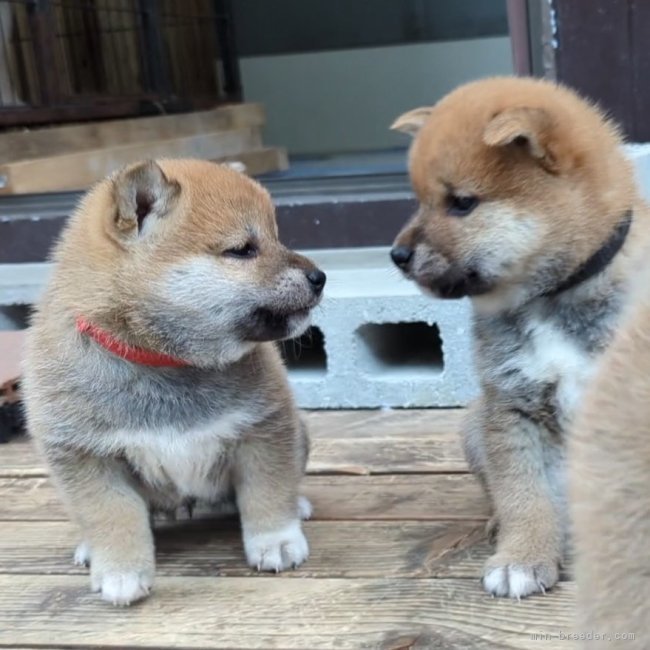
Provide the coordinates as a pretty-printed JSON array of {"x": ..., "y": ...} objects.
[{"x": 397, "y": 542}]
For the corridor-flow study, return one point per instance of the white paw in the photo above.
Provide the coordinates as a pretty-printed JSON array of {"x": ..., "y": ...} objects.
[
  {"x": 82, "y": 554},
  {"x": 278, "y": 550},
  {"x": 519, "y": 580},
  {"x": 305, "y": 510},
  {"x": 122, "y": 587}
]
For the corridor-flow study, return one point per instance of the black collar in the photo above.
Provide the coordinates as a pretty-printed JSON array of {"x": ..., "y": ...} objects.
[{"x": 600, "y": 259}]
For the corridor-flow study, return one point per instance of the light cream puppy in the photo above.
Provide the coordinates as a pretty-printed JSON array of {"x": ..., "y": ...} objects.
[{"x": 610, "y": 485}]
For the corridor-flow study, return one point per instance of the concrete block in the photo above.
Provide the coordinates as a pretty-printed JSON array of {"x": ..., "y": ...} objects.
[
  {"x": 377, "y": 341},
  {"x": 22, "y": 284}
]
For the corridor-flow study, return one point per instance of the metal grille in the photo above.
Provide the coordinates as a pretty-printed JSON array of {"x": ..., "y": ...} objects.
[{"x": 63, "y": 60}]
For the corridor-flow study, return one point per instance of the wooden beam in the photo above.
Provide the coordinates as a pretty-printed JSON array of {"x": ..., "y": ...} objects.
[
  {"x": 261, "y": 161},
  {"x": 42, "y": 143},
  {"x": 75, "y": 171}
]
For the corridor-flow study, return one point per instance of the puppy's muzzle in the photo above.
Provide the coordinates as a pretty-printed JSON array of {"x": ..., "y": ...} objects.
[
  {"x": 401, "y": 256},
  {"x": 458, "y": 284},
  {"x": 438, "y": 275},
  {"x": 317, "y": 279}
]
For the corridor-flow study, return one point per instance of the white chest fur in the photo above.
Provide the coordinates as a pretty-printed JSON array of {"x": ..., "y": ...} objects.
[
  {"x": 187, "y": 459},
  {"x": 553, "y": 357}
]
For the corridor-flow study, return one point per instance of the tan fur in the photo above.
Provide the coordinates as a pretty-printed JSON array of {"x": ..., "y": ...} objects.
[
  {"x": 412, "y": 121},
  {"x": 147, "y": 257},
  {"x": 549, "y": 184},
  {"x": 610, "y": 486}
]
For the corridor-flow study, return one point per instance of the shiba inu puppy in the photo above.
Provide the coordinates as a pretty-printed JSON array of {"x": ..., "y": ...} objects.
[
  {"x": 529, "y": 208},
  {"x": 609, "y": 481},
  {"x": 150, "y": 377}
]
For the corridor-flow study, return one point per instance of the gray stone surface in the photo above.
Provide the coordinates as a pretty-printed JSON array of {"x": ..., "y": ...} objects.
[{"x": 374, "y": 355}]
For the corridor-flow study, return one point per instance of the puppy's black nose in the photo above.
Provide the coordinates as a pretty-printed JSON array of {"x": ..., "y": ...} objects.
[
  {"x": 401, "y": 255},
  {"x": 317, "y": 280}
]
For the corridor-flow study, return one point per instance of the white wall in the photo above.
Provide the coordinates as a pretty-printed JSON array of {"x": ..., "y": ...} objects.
[{"x": 345, "y": 100}]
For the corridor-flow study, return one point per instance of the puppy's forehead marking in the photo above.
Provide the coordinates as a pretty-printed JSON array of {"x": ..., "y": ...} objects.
[
  {"x": 450, "y": 151},
  {"x": 214, "y": 219}
]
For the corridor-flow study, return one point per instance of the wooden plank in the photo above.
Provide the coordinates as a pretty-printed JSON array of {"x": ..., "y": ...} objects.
[
  {"x": 347, "y": 549},
  {"x": 261, "y": 161},
  {"x": 32, "y": 498},
  {"x": 345, "y": 442},
  {"x": 382, "y": 442},
  {"x": 394, "y": 497},
  {"x": 248, "y": 613},
  {"x": 386, "y": 498},
  {"x": 19, "y": 459},
  {"x": 79, "y": 170},
  {"x": 43, "y": 143}
]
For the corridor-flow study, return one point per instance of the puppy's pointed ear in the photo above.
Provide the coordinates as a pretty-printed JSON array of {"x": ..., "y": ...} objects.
[
  {"x": 412, "y": 121},
  {"x": 143, "y": 195},
  {"x": 526, "y": 128}
]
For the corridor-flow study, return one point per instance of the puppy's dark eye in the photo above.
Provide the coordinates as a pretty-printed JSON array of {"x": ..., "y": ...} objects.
[
  {"x": 461, "y": 206},
  {"x": 246, "y": 251}
]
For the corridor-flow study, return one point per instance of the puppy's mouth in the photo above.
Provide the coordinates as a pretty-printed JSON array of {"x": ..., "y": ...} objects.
[
  {"x": 272, "y": 325},
  {"x": 453, "y": 285}
]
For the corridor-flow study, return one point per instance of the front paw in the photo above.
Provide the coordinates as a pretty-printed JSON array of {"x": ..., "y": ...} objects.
[
  {"x": 508, "y": 576},
  {"x": 119, "y": 583},
  {"x": 82, "y": 554},
  {"x": 277, "y": 550},
  {"x": 305, "y": 509}
]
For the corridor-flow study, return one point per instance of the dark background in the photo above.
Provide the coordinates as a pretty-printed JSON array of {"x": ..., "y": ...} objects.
[{"x": 267, "y": 27}]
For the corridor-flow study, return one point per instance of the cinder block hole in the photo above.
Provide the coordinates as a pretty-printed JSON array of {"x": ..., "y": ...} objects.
[
  {"x": 400, "y": 349},
  {"x": 305, "y": 356}
]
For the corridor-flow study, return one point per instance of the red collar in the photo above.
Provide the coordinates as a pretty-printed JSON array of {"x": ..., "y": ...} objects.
[{"x": 126, "y": 352}]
